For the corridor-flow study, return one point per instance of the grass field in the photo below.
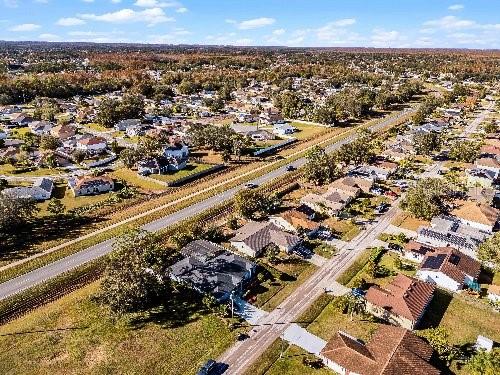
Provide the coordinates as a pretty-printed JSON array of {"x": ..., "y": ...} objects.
[
  {"x": 190, "y": 169},
  {"x": 306, "y": 130},
  {"x": 286, "y": 277},
  {"x": 132, "y": 178},
  {"x": 7, "y": 169},
  {"x": 76, "y": 336},
  {"x": 98, "y": 127},
  {"x": 345, "y": 228},
  {"x": 62, "y": 192}
]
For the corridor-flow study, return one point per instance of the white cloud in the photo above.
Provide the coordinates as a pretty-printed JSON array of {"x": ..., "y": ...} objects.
[
  {"x": 181, "y": 10},
  {"x": 335, "y": 32},
  {"x": 116, "y": 1},
  {"x": 49, "y": 37},
  {"x": 383, "y": 38},
  {"x": 456, "y": 7},
  {"x": 70, "y": 21},
  {"x": 256, "y": 23},
  {"x": 151, "y": 16},
  {"x": 88, "y": 1},
  {"x": 450, "y": 22},
  {"x": 230, "y": 21},
  {"x": 155, "y": 4},
  {"x": 25, "y": 27},
  {"x": 278, "y": 32},
  {"x": 344, "y": 22},
  {"x": 10, "y": 3},
  {"x": 41, "y": 2}
]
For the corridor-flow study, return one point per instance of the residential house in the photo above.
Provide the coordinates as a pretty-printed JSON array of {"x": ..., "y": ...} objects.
[
  {"x": 283, "y": 129},
  {"x": 253, "y": 238},
  {"x": 90, "y": 185},
  {"x": 41, "y": 127},
  {"x": 334, "y": 200},
  {"x": 353, "y": 184},
  {"x": 481, "y": 177},
  {"x": 416, "y": 252},
  {"x": 449, "y": 269},
  {"x": 137, "y": 130},
  {"x": 391, "y": 350},
  {"x": 9, "y": 152},
  {"x": 271, "y": 117},
  {"x": 295, "y": 221},
  {"x": 211, "y": 269},
  {"x": 477, "y": 215},
  {"x": 253, "y": 132},
  {"x": 446, "y": 231},
  {"x": 41, "y": 190},
  {"x": 402, "y": 302},
  {"x": 245, "y": 117},
  {"x": 92, "y": 144},
  {"x": 63, "y": 132},
  {"x": 372, "y": 172},
  {"x": 20, "y": 120},
  {"x": 178, "y": 151},
  {"x": 160, "y": 165},
  {"x": 125, "y": 124},
  {"x": 488, "y": 163}
]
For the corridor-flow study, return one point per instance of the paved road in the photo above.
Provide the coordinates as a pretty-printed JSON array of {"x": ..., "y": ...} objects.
[
  {"x": 70, "y": 262},
  {"x": 242, "y": 354},
  {"x": 474, "y": 124}
]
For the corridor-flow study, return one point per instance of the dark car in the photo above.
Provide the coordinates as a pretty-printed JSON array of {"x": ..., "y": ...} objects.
[
  {"x": 290, "y": 168},
  {"x": 207, "y": 367},
  {"x": 381, "y": 208}
]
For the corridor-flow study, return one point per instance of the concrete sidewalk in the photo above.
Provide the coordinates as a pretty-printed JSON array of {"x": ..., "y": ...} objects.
[{"x": 297, "y": 335}]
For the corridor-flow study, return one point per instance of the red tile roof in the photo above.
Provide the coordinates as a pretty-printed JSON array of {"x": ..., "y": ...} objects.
[
  {"x": 391, "y": 351},
  {"x": 404, "y": 296}
]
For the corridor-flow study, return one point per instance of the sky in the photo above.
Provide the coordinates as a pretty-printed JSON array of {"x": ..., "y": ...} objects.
[{"x": 297, "y": 23}]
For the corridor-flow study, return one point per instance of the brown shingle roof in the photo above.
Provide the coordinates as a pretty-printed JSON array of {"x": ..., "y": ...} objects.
[
  {"x": 404, "y": 296},
  {"x": 392, "y": 350},
  {"x": 258, "y": 235},
  {"x": 452, "y": 263},
  {"x": 476, "y": 212}
]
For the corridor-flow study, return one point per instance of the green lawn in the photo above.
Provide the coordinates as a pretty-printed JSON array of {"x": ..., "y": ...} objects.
[
  {"x": 306, "y": 130},
  {"x": 9, "y": 170},
  {"x": 98, "y": 127},
  {"x": 282, "y": 280},
  {"x": 345, "y": 228},
  {"x": 76, "y": 336},
  {"x": 63, "y": 192},
  {"x": 131, "y": 177},
  {"x": 463, "y": 320},
  {"x": 292, "y": 363},
  {"x": 190, "y": 169}
]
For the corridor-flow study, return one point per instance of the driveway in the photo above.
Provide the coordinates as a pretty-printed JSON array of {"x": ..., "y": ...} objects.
[
  {"x": 248, "y": 311},
  {"x": 297, "y": 335}
]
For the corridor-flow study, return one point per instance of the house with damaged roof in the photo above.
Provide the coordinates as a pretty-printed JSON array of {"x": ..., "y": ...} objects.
[
  {"x": 391, "y": 351},
  {"x": 402, "y": 302},
  {"x": 211, "y": 269},
  {"x": 254, "y": 237}
]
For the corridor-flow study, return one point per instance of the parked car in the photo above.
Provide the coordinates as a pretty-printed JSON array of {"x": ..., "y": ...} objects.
[
  {"x": 251, "y": 185},
  {"x": 390, "y": 193},
  {"x": 377, "y": 191},
  {"x": 290, "y": 168},
  {"x": 207, "y": 367},
  {"x": 381, "y": 208}
]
